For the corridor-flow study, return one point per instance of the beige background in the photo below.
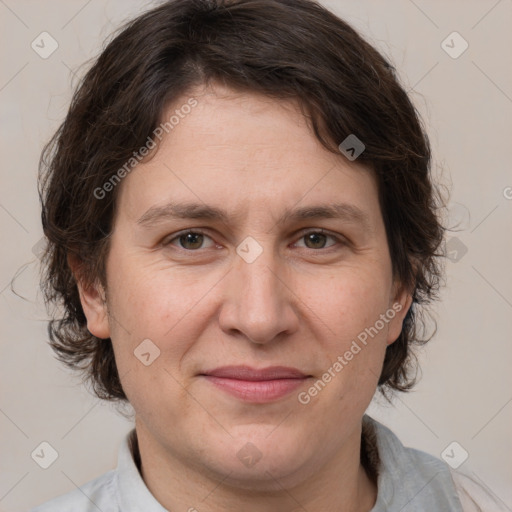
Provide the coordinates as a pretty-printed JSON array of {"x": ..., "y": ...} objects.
[{"x": 465, "y": 394}]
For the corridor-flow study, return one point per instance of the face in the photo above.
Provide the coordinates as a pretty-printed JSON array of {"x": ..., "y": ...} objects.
[{"x": 265, "y": 286}]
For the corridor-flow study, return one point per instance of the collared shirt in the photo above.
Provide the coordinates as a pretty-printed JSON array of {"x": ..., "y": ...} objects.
[{"x": 407, "y": 480}]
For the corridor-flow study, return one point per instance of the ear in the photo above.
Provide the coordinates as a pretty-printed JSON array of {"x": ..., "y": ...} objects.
[
  {"x": 93, "y": 300},
  {"x": 400, "y": 303}
]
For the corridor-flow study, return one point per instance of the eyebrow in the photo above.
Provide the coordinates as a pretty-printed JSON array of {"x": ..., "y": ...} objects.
[{"x": 157, "y": 214}]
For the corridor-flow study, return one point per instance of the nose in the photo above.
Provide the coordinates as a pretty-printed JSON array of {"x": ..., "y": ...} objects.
[{"x": 259, "y": 301}]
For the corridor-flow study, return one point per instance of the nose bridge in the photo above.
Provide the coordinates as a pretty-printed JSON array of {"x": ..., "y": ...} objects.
[
  {"x": 258, "y": 292},
  {"x": 259, "y": 278},
  {"x": 257, "y": 271}
]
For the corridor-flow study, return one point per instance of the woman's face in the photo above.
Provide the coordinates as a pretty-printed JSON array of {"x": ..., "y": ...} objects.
[{"x": 262, "y": 287}]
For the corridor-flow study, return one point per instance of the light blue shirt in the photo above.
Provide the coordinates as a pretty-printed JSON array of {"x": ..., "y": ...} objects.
[{"x": 408, "y": 480}]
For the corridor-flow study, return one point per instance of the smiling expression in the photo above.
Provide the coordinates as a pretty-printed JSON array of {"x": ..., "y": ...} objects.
[{"x": 245, "y": 243}]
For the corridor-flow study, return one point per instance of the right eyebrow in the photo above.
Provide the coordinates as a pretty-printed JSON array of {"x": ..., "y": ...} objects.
[{"x": 157, "y": 214}]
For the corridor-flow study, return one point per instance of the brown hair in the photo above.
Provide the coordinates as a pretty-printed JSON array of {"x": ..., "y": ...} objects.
[{"x": 285, "y": 49}]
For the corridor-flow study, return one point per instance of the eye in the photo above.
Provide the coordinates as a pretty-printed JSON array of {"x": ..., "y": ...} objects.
[
  {"x": 316, "y": 239},
  {"x": 189, "y": 240},
  {"x": 192, "y": 240}
]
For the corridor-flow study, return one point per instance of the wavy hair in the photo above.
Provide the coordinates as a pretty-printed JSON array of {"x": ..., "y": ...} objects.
[{"x": 285, "y": 49}]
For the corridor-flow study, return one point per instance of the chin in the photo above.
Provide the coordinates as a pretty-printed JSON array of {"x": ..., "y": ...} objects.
[
  {"x": 260, "y": 460},
  {"x": 269, "y": 476}
]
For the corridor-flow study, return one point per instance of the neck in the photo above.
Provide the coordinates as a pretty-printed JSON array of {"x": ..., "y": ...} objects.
[{"x": 341, "y": 483}]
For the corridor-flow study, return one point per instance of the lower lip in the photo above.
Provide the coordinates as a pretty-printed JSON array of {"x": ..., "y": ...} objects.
[{"x": 257, "y": 391}]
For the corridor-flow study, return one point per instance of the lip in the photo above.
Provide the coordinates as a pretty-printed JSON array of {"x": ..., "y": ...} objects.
[
  {"x": 254, "y": 374},
  {"x": 256, "y": 385}
]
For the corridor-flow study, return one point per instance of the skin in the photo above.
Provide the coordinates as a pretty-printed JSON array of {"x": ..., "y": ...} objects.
[{"x": 299, "y": 304}]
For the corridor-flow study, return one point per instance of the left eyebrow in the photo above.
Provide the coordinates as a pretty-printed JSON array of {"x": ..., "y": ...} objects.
[{"x": 344, "y": 211}]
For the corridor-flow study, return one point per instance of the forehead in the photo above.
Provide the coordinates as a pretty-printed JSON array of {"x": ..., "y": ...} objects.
[{"x": 247, "y": 154}]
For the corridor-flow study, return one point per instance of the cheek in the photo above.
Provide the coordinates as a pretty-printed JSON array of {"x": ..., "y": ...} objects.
[
  {"x": 350, "y": 308},
  {"x": 148, "y": 298},
  {"x": 151, "y": 334},
  {"x": 162, "y": 305},
  {"x": 351, "y": 301}
]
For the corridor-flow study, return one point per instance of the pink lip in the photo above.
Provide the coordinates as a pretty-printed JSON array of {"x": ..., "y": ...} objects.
[{"x": 257, "y": 386}]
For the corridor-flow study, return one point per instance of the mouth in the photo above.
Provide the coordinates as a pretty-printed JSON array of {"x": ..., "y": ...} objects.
[{"x": 256, "y": 385}]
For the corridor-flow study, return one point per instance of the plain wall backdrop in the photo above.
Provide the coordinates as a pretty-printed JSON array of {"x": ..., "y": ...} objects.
[{"x": 465, "y": 393}]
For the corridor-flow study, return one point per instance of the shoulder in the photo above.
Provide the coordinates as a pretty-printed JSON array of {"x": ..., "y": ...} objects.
[
  {"x": 410, "y": 479},
  {"x": 98, "y": 494},
  {"x": 474, "y": 496},
  {"x": 402, "y": 461},
  {"x": 416, "y": 480}
]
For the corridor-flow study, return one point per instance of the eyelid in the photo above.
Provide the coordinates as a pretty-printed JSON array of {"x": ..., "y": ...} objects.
[
  {"x": 167, "y": 241},
  {"x": 339, "y": 239}
]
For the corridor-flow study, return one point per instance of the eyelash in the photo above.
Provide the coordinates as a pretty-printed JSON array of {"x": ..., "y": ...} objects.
[{"x": 303, "y": 234}]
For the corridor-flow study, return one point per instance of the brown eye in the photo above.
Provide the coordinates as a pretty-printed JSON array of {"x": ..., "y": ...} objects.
[
  {"x": 191, "y": 240},
  {"x": 317, "y": 240},
  {"x": 188, "y": 240}
]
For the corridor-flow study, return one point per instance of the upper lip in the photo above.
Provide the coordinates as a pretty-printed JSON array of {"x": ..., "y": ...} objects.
[{"x": 254, "y": 374}]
